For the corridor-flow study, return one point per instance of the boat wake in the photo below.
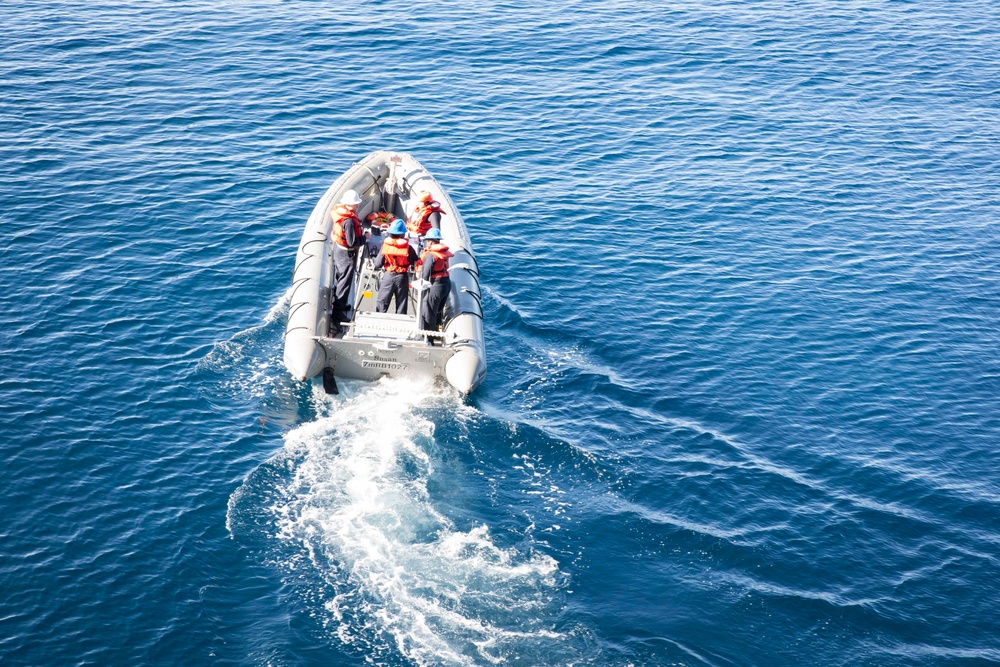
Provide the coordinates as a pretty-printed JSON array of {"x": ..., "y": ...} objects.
[
  {"x": 248, "y": 364},
  {"x": 347, "y": 503}
]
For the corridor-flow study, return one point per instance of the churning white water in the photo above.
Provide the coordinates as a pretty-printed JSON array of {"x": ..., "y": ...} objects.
[{"x": 394, "y": 573}]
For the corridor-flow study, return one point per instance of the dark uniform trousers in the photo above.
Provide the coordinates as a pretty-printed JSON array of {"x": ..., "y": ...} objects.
[
  {"x": 434, "y": 302},
  {"x": 393, "y": 285},
  {"x": 343, "y": 276}
]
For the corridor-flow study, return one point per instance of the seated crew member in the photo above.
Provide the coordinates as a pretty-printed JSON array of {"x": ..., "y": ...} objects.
[
  {"x": 427, "y": 215},
  {"x": 397, "y": 257},
  {"x": 347, "y": 238},
  {"x": 434, "y": 270}
]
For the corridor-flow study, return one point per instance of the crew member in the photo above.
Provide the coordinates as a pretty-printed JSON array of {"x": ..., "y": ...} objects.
[
  {"x": 427, "y": 215},
  {"x": 397, "y": 257},
  {"x": 434, "y": 270},
  {"x": 347, "y": 238}
]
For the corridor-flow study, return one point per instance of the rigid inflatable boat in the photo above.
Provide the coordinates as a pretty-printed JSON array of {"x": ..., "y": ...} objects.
[{"x": 369, "y": 345}]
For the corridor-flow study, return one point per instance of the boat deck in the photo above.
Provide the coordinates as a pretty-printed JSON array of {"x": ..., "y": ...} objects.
[
  {"x": 367, "y": 323},
  {"x": 371, "y": 345}
]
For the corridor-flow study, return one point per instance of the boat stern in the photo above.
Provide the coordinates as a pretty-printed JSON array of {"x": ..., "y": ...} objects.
[
  {"x": 466, "y": 369},
  {"x": 304, "y": 356}
]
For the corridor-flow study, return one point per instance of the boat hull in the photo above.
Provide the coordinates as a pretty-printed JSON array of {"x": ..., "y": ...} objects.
[{"x": 377, "y": 345}]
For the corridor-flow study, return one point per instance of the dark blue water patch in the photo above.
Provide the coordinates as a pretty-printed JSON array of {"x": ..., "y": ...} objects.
[{"x": 882, "y": 521}]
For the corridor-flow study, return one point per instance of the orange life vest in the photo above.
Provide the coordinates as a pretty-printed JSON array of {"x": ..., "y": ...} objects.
[
  {"x": 441, "y": 255},
  {"x": 340, "y": 215},
  {"x": 419, "y": 223},
  {"x": 380, "y": 218},
  {"x": 396, "y": 253}
]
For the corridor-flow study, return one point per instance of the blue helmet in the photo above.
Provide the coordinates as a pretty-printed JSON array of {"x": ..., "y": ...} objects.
[
  {"x": 433, "y": 233},
  {"x": 397, "y": 227}
]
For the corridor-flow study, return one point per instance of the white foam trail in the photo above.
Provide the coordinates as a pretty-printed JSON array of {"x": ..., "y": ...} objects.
[
  {"x": 280, "y": 308},
  {"x": 404, "y": 576}
]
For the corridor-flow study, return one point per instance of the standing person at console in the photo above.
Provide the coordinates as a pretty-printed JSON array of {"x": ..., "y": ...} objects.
[
  {"x": 397, "y": 257},
  {"x": 347, "y": 237},
  {"x": 434, "y": 270},
  {"x": 427, "y": 215}
]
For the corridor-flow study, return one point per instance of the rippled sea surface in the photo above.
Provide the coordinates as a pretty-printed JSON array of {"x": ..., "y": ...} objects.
[{"x": 742, "y": 297}]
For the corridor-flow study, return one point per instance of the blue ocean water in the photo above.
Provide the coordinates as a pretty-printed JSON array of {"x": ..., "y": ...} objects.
[{"x": 741, "y": 295}]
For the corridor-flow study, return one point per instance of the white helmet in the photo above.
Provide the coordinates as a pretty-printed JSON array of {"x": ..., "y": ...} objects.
[{"x": 350, "y": 198}]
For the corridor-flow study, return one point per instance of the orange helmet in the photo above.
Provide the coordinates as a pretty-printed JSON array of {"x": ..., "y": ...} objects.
[{"x": 426, "y": 196}]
